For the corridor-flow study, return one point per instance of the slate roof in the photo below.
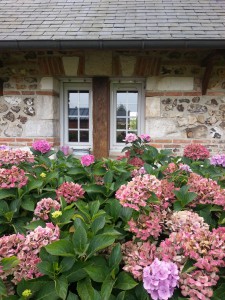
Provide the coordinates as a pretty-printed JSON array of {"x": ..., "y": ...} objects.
[{"x": 111, "y": 19}]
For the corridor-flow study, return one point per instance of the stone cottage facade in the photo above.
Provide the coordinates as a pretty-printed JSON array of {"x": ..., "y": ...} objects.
[{"x": 84, "y": 74}]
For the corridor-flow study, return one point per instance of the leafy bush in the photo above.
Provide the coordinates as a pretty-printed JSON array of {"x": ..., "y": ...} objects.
[{"x": 145, "y": 226}]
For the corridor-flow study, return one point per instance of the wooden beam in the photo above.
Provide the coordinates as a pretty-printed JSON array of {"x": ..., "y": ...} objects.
[
  {"x": 101, "y": 104},
  {"x": 206, "y": 76},
  {"x": 208, "y": 62}
]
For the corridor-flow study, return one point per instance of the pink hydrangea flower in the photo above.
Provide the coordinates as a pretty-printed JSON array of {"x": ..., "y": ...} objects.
[
  {"x": 44, "y": 207},
  {"x": 15, "y": 156},
  {"x": 27, "y": 249},
  {"x": 87, "y": 160},
  {"x": 42, "y": 146},
  {"x": 130, "y": 138},
  {"x": 145, "y": 137},
  {"x": 12, "y": 178},
  {"x": 70, "y": 191}
]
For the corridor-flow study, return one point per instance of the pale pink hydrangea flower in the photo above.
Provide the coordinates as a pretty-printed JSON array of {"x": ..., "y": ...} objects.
[
  {"x": 44, "y": 207},
  {"x": 130, "y": 138},
  {"x": 136, "y": 256},
  {"x": 208, "y": 191},
  {"x": 26, "y": 249},
  {"x": 70, "y": 191},
  {"x": 29, "y": 250},
  {"x": 87, "y": 160},
  {"x": 15, "y": 156},
  {"x": 136, "y": 193},
  {"x": 12, "y": 178},
  {"x": 42, "y": 146}
]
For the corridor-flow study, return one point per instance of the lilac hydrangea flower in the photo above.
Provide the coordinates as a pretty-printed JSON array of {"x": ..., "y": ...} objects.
[
  {"x": 218, "y": 160},
  {"x": 160, "y": 279},
  {"x": 145, "y": 137}
]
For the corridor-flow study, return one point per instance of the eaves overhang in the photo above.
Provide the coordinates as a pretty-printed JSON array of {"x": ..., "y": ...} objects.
[{"x": 19, "y": 45}]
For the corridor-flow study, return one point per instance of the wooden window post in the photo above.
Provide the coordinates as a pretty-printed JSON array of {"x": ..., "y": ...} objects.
[{"x": 101, "y": 104}]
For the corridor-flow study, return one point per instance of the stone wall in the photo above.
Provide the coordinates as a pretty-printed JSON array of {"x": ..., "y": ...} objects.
[
  {"x": 176, "y": 112},
  {"x": 29, "y": 110}
]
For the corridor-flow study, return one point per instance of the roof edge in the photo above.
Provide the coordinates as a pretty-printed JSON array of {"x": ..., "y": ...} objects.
[{"x": 111, "y": 44}]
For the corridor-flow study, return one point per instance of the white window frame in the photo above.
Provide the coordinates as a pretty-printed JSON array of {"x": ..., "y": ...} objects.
[
  {"x": 124, "y": 85},
  {"x": 66, "y": 86}
]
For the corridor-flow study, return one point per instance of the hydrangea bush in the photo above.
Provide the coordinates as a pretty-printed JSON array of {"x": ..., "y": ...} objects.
[{"x": 148, "y": 225}]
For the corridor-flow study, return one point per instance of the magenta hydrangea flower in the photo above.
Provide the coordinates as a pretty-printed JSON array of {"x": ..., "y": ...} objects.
[
  {"x": 42, "y": 146},
  {"x": 196, "y": 151},
  {"x": 130, "y": 138},
  {"x": 87, "y": 160},
  {"x": 145, "y": 137},
  {"x": 160, "y": 279}
]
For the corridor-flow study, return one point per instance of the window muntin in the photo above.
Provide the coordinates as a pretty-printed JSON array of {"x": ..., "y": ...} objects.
[
  {"x": 78, "y": 114},
  {"x": 126, "y": 110}
]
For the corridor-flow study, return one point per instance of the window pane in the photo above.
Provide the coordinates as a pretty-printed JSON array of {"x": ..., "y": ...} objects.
[
  {"x": 84, "y": 123},
  {"x": 84, "y": 136},
  {"x": 120, "y": 136},
  {"x": 73, "y": 136},
  {"x": 72, "y": 123},
  {"x": 73, "y": 102},
  {"x": 121, "y": 110},
  {"x": 132, "y": 124},
  {"x": 121, "y": 123}
]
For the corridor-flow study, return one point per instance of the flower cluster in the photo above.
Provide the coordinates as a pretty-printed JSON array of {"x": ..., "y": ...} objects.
[
  {"x": 130, "y": 138},
  {"x": 4, "y": 147},
  {"x": 136, "y": 193},
  {"x": 160, "y": 279},
  {"x": 26, "y": 249},
  {"x": 208, "y": 191},
  {"x": 218, "y": 160},
  {"x": 12, "y": 178},
  {"x": 145, "y": 138},
  {"x": 196, "y": 151},
  {"x": 87, "y": 160},
  {"x": 44, "y": 207},
  {"x": 147, "y": 225},
  {"x": 70, "y": 191},
  {"x": 42, "y": 146},
  {"x": 15, "y": 156},
  {"x": 136, "y": 256}
]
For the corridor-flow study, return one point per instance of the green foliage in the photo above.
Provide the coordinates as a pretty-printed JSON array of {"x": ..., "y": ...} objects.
[{"x": 87, "y": 261}]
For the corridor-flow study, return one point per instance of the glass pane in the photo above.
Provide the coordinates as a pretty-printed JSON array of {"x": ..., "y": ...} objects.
[
  {"x": 120, "y": 123},
  {"x": 121, "y": 103},
  {"x": 73, "y": 136},
  {"x": 120, "y": 136},
  {"x": 84, "y": 123},
  {"x": 84, "y": 103},
  {"x": 72, "y": 123},
  {"x": 84, "y": 136},
  {"x": 73, "y": 102},
  {"x": 132, "y": 124}
]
